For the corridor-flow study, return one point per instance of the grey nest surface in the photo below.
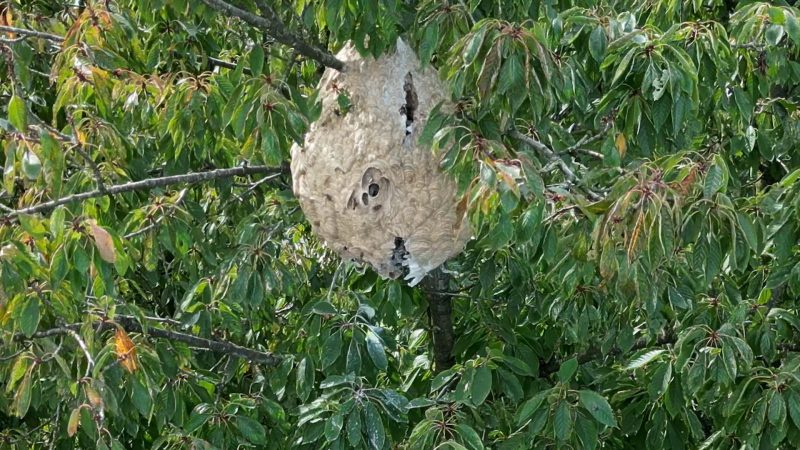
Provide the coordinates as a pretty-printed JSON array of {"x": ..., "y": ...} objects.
[{"x": 369, "y": 190}]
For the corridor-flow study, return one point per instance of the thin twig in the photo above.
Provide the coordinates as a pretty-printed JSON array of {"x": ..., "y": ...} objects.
[
  {"x": 591, "y": 153},
  {"x": 14, "y": 355},
  {"x": 560, "y": 211},
  {"x": 221, "y": 63},
  {"x": 89, "y": 360},
  {"x": 588, "y": 139},
  {"x": 55, "y": 427},
  {"x": 34, "y": 33},
  {"x": 98, "y": 176},
  {"x": 155, "y": 223},
  {"x": 131, "y": 325},
  {"x": 13, "y": 41},
  {"x": 551, "y": 156},
  {"x": 333, "y": 281},
  {"x": 272, "y": 25},
  {"x": 149, "y": 183}
]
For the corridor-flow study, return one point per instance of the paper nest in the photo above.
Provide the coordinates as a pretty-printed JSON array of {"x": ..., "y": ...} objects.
[{"x": 366, "y": 186}]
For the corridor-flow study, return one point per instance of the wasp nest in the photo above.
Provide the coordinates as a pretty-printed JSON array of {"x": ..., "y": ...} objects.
[{"x": 367, "y": 187}]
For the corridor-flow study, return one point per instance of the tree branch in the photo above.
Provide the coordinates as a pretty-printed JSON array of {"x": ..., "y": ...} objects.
[
  {"x": 551, "y": 156},
  {"x": 550, "y": 367},
  {"x": 440, "y": 310},
  {"x": 272, "y": 25},
  {"x": 33, "y": 33},
  {"x": 131, "y": 325},
  {"x": 588, "y": 139},
  {"x": 149, "y": 183}
]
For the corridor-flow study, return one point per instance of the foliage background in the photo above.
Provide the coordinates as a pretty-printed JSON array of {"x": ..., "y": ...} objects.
[{"x": 630, "y": 169}]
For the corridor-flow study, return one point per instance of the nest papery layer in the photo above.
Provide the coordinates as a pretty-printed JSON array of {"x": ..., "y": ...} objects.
[{"x": 369, "y": 190}]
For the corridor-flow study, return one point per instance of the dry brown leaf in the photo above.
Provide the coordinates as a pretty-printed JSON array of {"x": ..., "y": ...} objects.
[
  {"x": 103, "y": 242},
  {"x": 126, "y": 350}
]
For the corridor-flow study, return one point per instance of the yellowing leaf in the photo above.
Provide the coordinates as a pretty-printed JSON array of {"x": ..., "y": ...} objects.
[
  {"x": 74, "y": 420},
  {"x": 104, "y": 242},
  {"x": 637, "y": 230},
  {"x": 94, "y": 397},
  {"x": 7, "y": 19},
  {"x": 622, "y": 144},
  {"x": 126, "y": 350}
]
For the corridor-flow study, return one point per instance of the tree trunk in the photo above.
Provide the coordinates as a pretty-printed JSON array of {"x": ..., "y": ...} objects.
[{"x": 440, "y": 311}]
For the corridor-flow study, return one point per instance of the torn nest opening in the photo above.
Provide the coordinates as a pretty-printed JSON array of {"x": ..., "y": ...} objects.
[{"x": 370, "y": 191}]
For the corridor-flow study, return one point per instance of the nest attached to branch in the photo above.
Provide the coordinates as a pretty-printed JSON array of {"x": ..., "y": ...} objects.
[{"x": 369, "y": 190}]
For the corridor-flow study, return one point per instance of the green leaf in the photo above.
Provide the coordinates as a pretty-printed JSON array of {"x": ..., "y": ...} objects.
[
  {"x": 794, "y": 408},
  {"x": 354, "y": 428},
  {"x": 376, "y": 433},
  {"x": 196, "y": 420},
  {"x": 748, "y": 230},
  {"x": 598, "y": 407},
  {"x": 587, "y": 432},
  {"x": 642, "y": 360},
  {"x": 432, "y": 126},
  {"x": 336, "y": 380},
  {"x": 333, "y": 427},
  {"x": 353, "y": 364},
  {"x": 256, "y": 60},
  {"x": 29, "y": 316},
  {"x": 305, "y": 378},
  {"x": 567, "y": 370},
  {"x": 473, "y": 46},
  {"x": 510, "y": 74},
  {"x": 31, "y": 165},
  {"x": 597, "y": 43},
  {"x": 140, "y": 396},
  {"x": 324, "y": 308},
  {"x": 18, "y": 370},
  {"x": 489, "y": 70},
  {"x": 777, "y": 410},
  {"x": 251, "y": 430},
  {"x": 9, "y": 170},
  {"x": 18, "y": 113},
  {"x": 22, "y": 398},
  {"x": 562, "y": 422},
  {"x": 793, "y": 29},
  {"x": 428, "y": 43},
  {"x": 469, "y": 437},
  {"x": 623, "y": 65},
  {"x": 501, "y": 233},
  {"x": 774, "y": 34},
  {"x": 744, "y": 103},
  {"x": 332, "y": 349},
  {"x": 714, "y": 181},
  {"x": 481, "y": 385},
  {"x": 660, "y": 381},
  {"x": 376, "y": 351},
  {"x": 270, "y": 146},
  {"x": 530, "y": 406}
]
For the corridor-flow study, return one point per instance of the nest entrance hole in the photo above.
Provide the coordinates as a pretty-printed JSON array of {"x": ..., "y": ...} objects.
[
  {"x": 411, "y": 102},
  {"x": 398, "y": 260}
]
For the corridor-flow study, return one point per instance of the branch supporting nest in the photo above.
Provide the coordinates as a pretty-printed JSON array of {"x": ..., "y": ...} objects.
[
  {"x": 271, "y": 24},
  {"x": 149, "y": 183}
]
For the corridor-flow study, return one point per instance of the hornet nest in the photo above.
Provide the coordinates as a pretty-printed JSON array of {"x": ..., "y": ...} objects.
[{"x": 370, "y": 191}]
